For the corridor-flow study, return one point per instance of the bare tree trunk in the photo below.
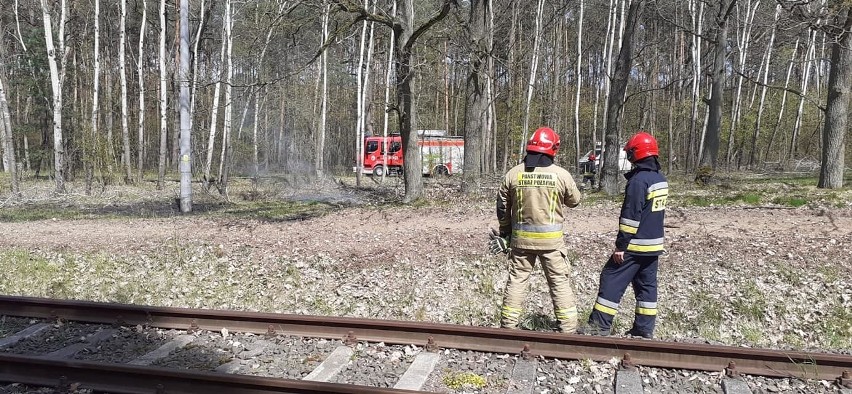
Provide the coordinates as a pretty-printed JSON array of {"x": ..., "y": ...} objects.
[
  {"x": 391, "y": 47},
  {"x": 125, "y": 129},
  {"x": 57, "y": 75},
  {"x": 578, "y": 80},
  {"x": 8, "y": 142},
  {"x": 808, "y": 57},
  {"x": 710, "y": 151},
  {"x": 783, "y": 102},
  {"x": 185, "y": 166},
  {"x": 609, "y": 48},
  {"x": 490, "y": 154},
  {"x": 140, "y": 133},
  {"x": 164, "y": 128},
  {"x": 743, "y": 46},
  {"x": 282, "y": 121},
  {"x": 510, "y": 82},
  {"x": 214, "y": 110},
  {"x": 837, "y": 107},
  {"x": 359, "y": 100},
  {"x": 609, "y": 172},
  {"x": 477, "y": 101},
  {"x": 196, "y": 41},
  {"x": 533, "y": 72},
  {"x": 752, "y": 157},
  {"x": 229, "y": 106},
  {"x": 258, "y": 75},
  {"x": 91, "y": 143},
  {"x": 319, "y": 166},
  {"x": 697, "y": 26}
]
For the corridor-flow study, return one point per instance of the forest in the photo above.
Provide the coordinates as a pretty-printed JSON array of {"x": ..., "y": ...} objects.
[{"x": 102, "y": 92}]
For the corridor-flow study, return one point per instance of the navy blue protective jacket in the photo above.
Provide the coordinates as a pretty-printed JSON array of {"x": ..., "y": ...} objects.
[{"x": 640, "y": 227}]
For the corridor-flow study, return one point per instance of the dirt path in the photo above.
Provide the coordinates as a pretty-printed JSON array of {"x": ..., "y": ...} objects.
[{"x": 403, "y": 231}]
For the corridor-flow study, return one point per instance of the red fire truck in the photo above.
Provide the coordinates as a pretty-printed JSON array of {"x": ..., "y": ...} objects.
[{"x": 440, "y": 154}]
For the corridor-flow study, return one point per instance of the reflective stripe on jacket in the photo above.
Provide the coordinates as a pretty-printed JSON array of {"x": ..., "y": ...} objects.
[
  {"x": 640, "y": 227},
  {"x": 530, "y": 205}
]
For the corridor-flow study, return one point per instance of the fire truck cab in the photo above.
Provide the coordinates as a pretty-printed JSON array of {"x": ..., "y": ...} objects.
[{"x": 439, "y": 153}]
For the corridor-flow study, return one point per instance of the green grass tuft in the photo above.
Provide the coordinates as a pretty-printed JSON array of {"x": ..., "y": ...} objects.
[{"x": 464, "y": 380}]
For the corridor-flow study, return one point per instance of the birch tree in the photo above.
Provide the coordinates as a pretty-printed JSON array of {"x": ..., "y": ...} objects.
[
  {"x": 533, "y": 69},
  {"x": 8, "y": 143},
  {"x": 90, "y": 146},
  {"x": 185, "y": 166},
  {"x": 57, "y": 75},
  {"x": 809, "y": 59},
  {"x": 227, "y": 126},
  {"x": 318, "y": 159},
  {"x": 742, "y": 56},
  {"x": 164, "y": 94},
  {"x": 140, "y": 133},
  {"x": 122, "y": 75},
  {"x": 578, "y": 75},
  {"x": 388, "y": 79},
  {"x": 359, "y": 92},
  {"x": 754, "y": 150},
  {"x": 195, "y": 61},
  {"x": 214, "y": 108},
  {"x": 697, "y": 13}
]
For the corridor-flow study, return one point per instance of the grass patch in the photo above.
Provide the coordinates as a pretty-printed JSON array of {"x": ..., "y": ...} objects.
[
  {"x": 278, "y": 210},
  {"x": 709, "y": 314},
  {"x": 39, "y": 212},
  {"x": 753, "y": 334},
  {"x": 537, "y": 322},
  {"x": 750, "y": 303},
  {"x": 790, "y": 201},
  {"x": 787, "y": 274},
  {"x": 837, "y": 328},
  {"x": 463, "y": 380}
]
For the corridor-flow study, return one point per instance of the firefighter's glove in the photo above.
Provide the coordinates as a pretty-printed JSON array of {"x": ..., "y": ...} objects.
[{"x": 498, "y": 244}]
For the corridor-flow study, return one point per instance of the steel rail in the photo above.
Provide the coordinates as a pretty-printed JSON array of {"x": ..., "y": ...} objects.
[
  {"x": 651, "y": 353},
  {"x": 130, "y": 379}
]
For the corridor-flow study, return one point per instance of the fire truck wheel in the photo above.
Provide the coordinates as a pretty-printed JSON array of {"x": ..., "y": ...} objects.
[
  {"x": 378, "y": 171},
  {"x": 441, "y": 171}
]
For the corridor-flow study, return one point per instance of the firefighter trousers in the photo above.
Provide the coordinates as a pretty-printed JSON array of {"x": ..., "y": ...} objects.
[
  {"x": 641, "y": 272},
  {"x": 557, "y": 272}
]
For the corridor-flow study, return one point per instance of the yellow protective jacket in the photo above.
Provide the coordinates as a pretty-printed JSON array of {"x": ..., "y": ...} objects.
[{"x": 530, "y": 206}]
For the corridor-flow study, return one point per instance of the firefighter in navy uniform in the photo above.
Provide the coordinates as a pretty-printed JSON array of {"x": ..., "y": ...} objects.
[
  {"x": 638, "y": 244},
  {"x": 530, "y": 214}
]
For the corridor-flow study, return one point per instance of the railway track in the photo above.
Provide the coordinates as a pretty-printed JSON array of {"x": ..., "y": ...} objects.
[{"x": 116, "y": 348}]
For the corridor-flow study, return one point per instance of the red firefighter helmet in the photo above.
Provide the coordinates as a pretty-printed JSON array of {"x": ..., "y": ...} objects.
[
  {"x": 544, "y": 140},
  {"x": 592, "y": 157},
  {"x": 640, "y": 146}
]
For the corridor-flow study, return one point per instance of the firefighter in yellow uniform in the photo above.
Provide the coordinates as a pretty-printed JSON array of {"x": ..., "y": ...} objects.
[{"x": 530, "y": 214}]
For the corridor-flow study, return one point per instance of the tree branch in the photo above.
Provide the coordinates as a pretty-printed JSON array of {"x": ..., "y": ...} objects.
[
  {"x": 445, "y": 9},
  {"x": 788, "y": 90}
]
